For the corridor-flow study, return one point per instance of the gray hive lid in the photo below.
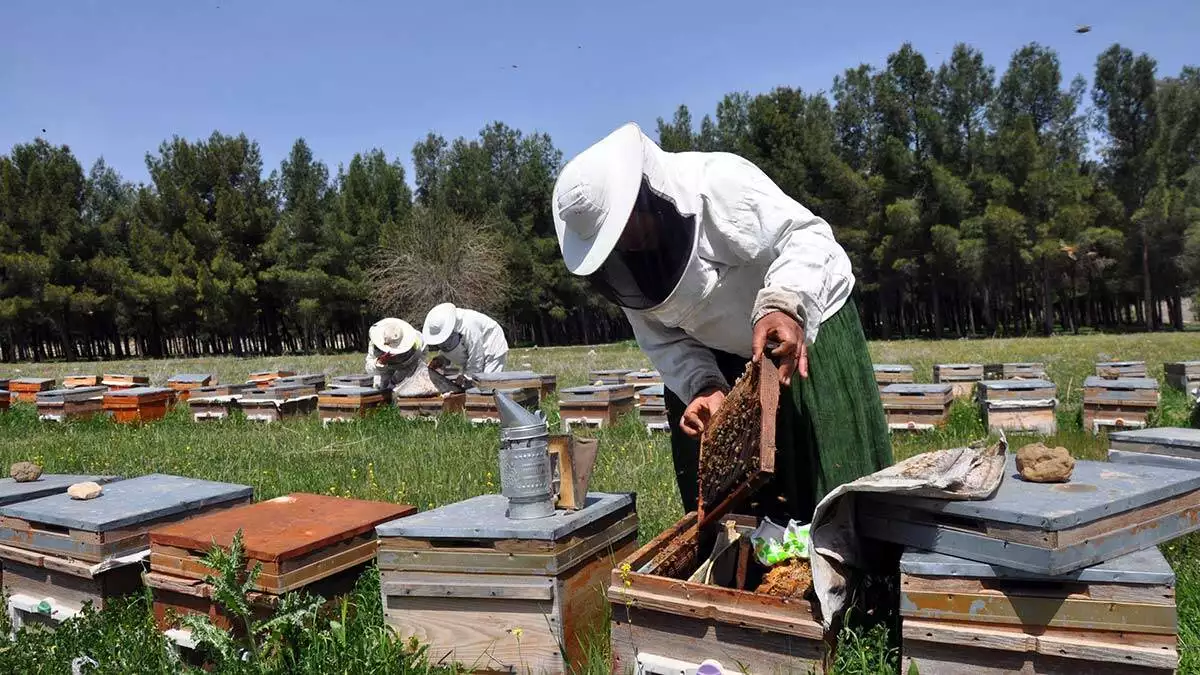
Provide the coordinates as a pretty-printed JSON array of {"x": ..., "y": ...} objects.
[
  {"x": 33, "y": 380},
  {"x": 484, "y": 518},
  {"x": 1141, "y": 567},
  {"x": 643, "y": 375},
  {"x": 1175, "y": 437},
  {"x": 593, "y": 389},
  {"x": 350, "y": 391},
  {"x": 12, "y": 492},
  {"x": 901, "y": 388},
  {"x": 139, "y": 391},
  {"x": 959, "y": 366},
  {"x": 1120, "y": 364},
  {"x": 1096, "y": 490},
  {"x": 1016, "y": 385},
  {"x": 189, "y": 377},
  {"x": 129, "y": 502},
  {"x": 655, "y": 390},
  {"x": 222, "y": 390},
  {"x": 1121, "y": 383},
  {"x": 892, "y": 368},
  {"x": 507, "y": 375},
  {"x": 76, "y": 394},
  {"x": 1027, "y": 364}
]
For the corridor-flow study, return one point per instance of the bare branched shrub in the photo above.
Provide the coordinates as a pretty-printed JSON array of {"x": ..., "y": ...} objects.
[{"x": 439, "y": 256}]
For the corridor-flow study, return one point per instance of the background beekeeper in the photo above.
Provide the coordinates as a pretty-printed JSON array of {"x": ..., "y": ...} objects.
[
  {"x": 470, "y": 340},
  {"x": 395, "y": 352},
  {"x": 711, "y": 261}
]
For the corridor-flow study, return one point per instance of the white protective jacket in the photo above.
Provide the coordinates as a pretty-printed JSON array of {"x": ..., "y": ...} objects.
[
  {"x": 757, "y": 251},
  {"x": 483, "y": 348}
]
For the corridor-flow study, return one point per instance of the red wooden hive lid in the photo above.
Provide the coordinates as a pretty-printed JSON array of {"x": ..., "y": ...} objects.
[{"x": 282, "y": 528}]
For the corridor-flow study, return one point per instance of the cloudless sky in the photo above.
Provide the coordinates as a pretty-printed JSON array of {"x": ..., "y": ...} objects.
[{"x": 114, "y": 78}]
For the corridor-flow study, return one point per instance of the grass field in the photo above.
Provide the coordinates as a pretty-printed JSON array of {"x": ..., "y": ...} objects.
[{"x": 428, "y": 465}]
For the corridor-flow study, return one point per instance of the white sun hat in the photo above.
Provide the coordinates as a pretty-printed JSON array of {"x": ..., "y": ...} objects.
[
  {"x": 594, "y": 196},
  {"x": 394, "y": 336},
  {"x": 440, "y": 322}
]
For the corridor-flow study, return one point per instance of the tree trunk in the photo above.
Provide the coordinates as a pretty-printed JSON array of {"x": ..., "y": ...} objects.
[
  {"x": 1146, "y": 278},
  {"x": 1047, "y": 303}
]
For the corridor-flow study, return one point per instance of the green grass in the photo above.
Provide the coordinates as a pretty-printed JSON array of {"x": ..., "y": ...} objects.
[{"x": 428, "y": 465}]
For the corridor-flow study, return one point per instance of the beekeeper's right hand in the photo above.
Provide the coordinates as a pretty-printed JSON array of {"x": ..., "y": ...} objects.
[{"x": 700, "y": 411}]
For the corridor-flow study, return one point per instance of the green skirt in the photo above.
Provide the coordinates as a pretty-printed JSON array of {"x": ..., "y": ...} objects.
[{"x": 831, "y": 427}]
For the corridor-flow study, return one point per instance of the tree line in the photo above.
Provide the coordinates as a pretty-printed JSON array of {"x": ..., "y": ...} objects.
[{"x": 969, "y": 205}]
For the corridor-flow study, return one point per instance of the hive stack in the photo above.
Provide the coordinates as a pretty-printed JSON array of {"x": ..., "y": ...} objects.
[
  {"x": 73, "y": 381},
  {"x": 60, "y": 405},
  {"x": 500, "y": 594},
  {"x": 1159, "y": 446},
  {"x": 643, "y": 379},
  {"x": 352, "y": 381},
  {"x": 916, "y": 407},
  {"x": 1019, "y": 405},
  {"x": 304, "y": 542},
  {"x": 184, "y": 384},
  {"x": 264, "y": 378},
  {"x": 26, "y": 389},
  {"x": 60, "y": 552},
  {"x": 1118, "y": 403},
  {"x": 1112, "y": 370},
  {"x": 346, "y": 404},
  {"x": 217, "y": 401},
  {"x": 1013, "y": 371},
  {"x": 597, "y": 406},
  {"x": 480, "y": 403},
  {"x": 1184, "y": 375},
  {"x": 610, "y": 376},
  {"x": 652, "y": 408},
  {"x": 279, "y": 402},
  {"x": 892, "y": 373},
  {"x": 115, "y": 381},
  {"x": 138, "y": 404},
  {"x": 962, "y": 376}
]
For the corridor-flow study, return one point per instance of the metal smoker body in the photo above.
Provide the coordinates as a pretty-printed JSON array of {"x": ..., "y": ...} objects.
[{"x": 525, "y": 474}]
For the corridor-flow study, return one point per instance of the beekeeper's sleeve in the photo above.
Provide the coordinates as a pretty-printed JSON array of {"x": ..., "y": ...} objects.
[{"x": 687, "y": 367}]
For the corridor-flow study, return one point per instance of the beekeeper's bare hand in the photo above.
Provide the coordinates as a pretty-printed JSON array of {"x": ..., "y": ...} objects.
[
  {"x": 792, "y": 352},
  {"x": 700, "y": 411}
]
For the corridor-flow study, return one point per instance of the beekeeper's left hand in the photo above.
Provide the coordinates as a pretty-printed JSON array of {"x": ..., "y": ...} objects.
[{"x": 792, "y": 351}]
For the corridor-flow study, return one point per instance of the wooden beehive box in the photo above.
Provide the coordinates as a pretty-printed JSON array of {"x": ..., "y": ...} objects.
[
  {"x": 183, "y": 384},
  {"x": 598, "y": 406},
  {"x": 609, "y": 376},
  {"x": 263, "y": 378},
  {"x": 1183, "y": 375},
  {"x": 345, "y": 404},
  {"x": 511, "y": 379},
  {"x": 1118, "y": 403},
  {"x": 121, "y": 381},
  {"x": 504, "y": 595},
  {"x": 1106, "y": 510},
  {"x": 316, "y": 543},
  {"x": 361, "y": 380},
  {"x": 314, "y": 380},
  {"x": 1158, "y": 446},
  {"x": 641, "y": 379},
  {"x": 138, "y": 404},
  {"x": 480, "y": 403},
  {"x": 5, "y": 399},
  {"x": 25, "y": 389},
  {"x": 1012, "y": 371},
  {"x": 279, "y": 402},
  {"x": 1112, "y": 370},
  {"x": 916, "y": 407},
  {"x": 549, "y": 383},
  {"x": 892, "y": 373},
  {"x": 430, "y": 407},
  {"x": 962, "y": 376},
  {"x": 1019, "y": 405},
  {"x": 72, "y": 381},
  {"x": 959, "y": 616},
  {"x": 217, "y": 401},
  {"x": 652, "y": 408},
  {"x": 60, "y": 405}
]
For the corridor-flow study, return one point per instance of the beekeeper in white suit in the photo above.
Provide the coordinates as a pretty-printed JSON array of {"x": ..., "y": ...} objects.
[
  {"x": 396, "y": 351},
  {"x": 470, "y": 340}
]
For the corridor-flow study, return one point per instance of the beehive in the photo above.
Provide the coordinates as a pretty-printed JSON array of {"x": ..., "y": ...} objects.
[
  {"x": 597, "y": 406},
  {"x": 1158, "y": 446},
  {"x": 314, "y": 380},
  {"x": 480, "y": 403},
  {"x": 361, "y": 380},
  {"x": 1012, "y": 371},
  {"x": 217, "y": 401},
  {"x": 1118, "y": 403},
  {"x": 279, "y": 402},
  {"x": 121, "y": 381},
  {"x": 511, "y": 379},
  {"x": 1184, "y": 375},
  {"x": 303, "y": 542},
  {"x": 892, "y": 373},
  {"x": 962, "y": 376},
  {"x": 60, "y": 405},
  {"x": 72, "y": 381},
  {"x": 263, "y": 378},
  {"x": 916, "y": 407},
  {"x": 652, "y": 408},
  {"x": 184, "y": 384},
  {"x": 641, "y": 379},
  {"x": 1019, "y": 405},
  {"x": 610, "y": 376},
  {"x": 549, "y": 383},
  {"x": 1111, "y": 370},
  {"x": 5, "y": 399},
  {"x": 504, "y": 595},
  {"x": 138, "y": 404},
  {"x": 345, "y": 404},
  {"x": 430, "y": 407},
  {"x": 960, "y": 616},
  {"x": 25, "y": 389}
]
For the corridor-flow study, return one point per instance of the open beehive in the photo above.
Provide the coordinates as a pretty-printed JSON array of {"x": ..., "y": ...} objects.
[
  {"x": 1019, "y": 405},
  {"x": 598, "y": 406},
  {"x": 25, "y": 389},
  {"x": 1120, "y": 403},
  {"x": 962, "y": 376},
  {"x": 217, "y": 401},
  {"x": 60, "y": 405},
  {"x": 346, "y": 404}
]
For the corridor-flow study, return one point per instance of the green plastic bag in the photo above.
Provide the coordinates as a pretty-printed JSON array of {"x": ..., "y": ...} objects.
[{"x": 774, "y": 544}]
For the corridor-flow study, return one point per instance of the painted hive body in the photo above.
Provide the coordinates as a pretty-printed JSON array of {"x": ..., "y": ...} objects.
[
  {"x": 596, "y": 406},
  {"x": 346, "y": 404},
  {"x": 138, "y": 404}
]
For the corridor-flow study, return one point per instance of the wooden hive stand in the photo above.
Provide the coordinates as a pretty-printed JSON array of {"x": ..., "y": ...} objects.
[
  {"x": 1105, "y": 511},
  {"x": 316, "y": 543},
  {"x": 652, "y": 408},
  {"x": 264, "y": 378},
  {"x": 1159, "y": 446},
  {"x": 480, "y": 403},
  {"x": 64, "y": 552},
  {"x": 26, "y": 389},
  {"x": 80, "y": 403},
  {"x": 72, "y": 381},
  {"x": 279, "y": 402},
  {"x": 217, "y": 401},
  {"x": 962, "y": 376},
  {"x": 916, "y": 407},
  {"x": 892, "y": 373},
  {"x": 609, "y": 376},
  {"x": 1183, "y": 375},
  {"x": 495, "y": 594},
  {"x": 1114, "y": 404},
  {"x": 361, "y": 380},
  {"x": 138, "y": 404},
  {"x": 1112, "y": 370},
  {"x": 1115, "y": 617},
  {"x": 183, "y": 384},
  {"x": 347, "y": 404},
  {"x": 1013, "y": 371},
  {"x": 116, "y": 381},
  {"x": 1019, "y": 405},
  {"x": 430, "y": 407},
  {"x": 596, "y": 406}
]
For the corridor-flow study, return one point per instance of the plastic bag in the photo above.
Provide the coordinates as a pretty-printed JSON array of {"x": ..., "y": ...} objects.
[{"x": 774, "y": 544}]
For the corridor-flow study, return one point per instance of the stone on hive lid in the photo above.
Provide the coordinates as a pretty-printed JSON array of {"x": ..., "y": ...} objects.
[
  {"x": 48, "y": 484},
  {"x": 484, "y": 517}
]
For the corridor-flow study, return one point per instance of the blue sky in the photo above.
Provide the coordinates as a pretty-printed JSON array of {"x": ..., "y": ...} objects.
[{"x": 116, "y": 78}]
